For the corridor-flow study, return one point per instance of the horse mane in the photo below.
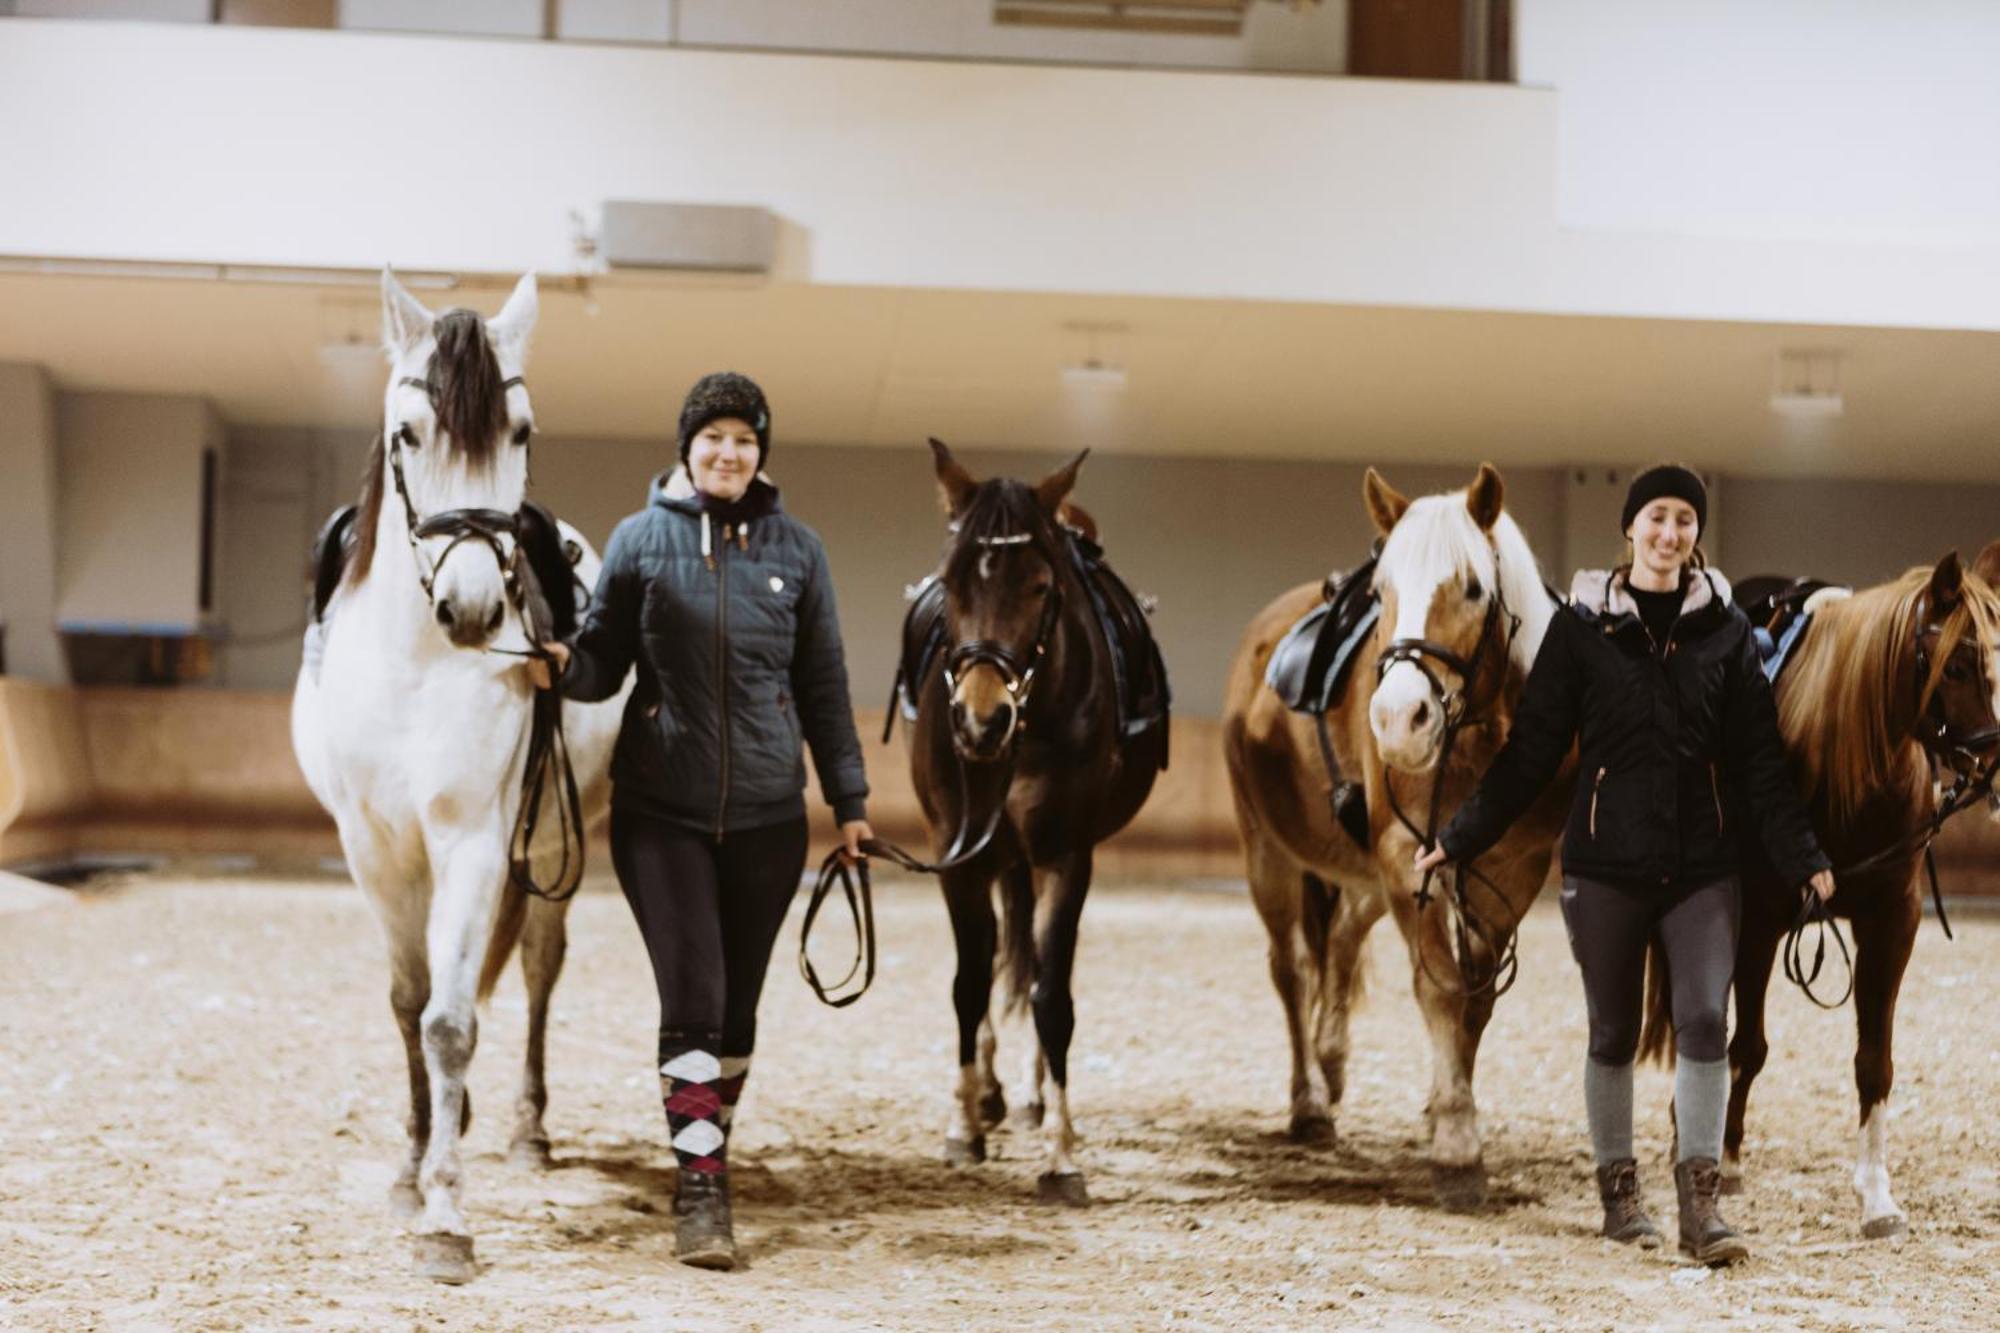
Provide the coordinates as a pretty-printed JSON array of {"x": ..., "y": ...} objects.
[
  {"x": 1437, "y": 535},
  {"x": 1832, "y": 711},
  {"x": 367, "y": 514},
  {"x": 466, "y": 388}
]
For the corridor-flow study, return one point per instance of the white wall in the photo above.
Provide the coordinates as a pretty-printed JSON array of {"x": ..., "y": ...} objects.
[
  {"x": 129, "y": 508},
  {"x": 28, "y": 523},
  {"x": 290, "y": 147}
]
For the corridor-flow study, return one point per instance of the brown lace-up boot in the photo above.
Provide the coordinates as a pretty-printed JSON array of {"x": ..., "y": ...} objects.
[
  {"x": 1704, "y": 1235},
  {"x": 1625, "y": 1217}
]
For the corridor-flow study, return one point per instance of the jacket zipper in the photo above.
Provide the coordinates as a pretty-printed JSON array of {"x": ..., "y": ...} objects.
[
  {"x": 722, "y": 674},
  {"x": 1595, "y": 787},
  {"x": 1715, "y": 793}
]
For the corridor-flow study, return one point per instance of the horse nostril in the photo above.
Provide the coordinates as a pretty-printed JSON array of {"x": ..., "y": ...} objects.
[
  {"x": 1422, "y": 716},
  {"x": 493, "y": 621},
  {"x": 444, "y": 616}
]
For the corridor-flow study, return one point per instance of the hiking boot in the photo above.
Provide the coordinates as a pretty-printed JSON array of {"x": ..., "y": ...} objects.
[
  {"x": 1704, "y": 1235},
  {"x": 1625, "y": 1217},
  {"x": 703, "y": 1236}
]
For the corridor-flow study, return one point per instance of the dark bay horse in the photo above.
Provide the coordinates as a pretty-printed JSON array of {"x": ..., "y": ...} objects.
[
  {"x": 1885, "y": 685},
  {"x": 1018, "y": 729},
  {"x": 1463, "y": 611}
]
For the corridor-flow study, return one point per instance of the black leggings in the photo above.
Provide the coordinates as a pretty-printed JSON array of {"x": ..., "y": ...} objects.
[
  {"x": 1609, "y": 926},
  {"x": 710, "y": 913}
]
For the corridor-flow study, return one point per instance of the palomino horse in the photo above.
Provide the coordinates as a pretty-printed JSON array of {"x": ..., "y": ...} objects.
[
  {"x": 1883, "y": 685},
  {"x": 415, "y": 739},
  {"x": 1018, "y": 731},
  {"x": 1463, "y": 614}
]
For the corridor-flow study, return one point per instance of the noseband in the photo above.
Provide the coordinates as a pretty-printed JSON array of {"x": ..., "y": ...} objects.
[
  {"x": 1017, "y": 670},
  {"x": 498, "y": 530}
]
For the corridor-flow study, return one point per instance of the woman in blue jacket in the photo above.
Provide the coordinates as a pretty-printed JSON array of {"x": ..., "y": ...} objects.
[
  {"x": 724, "y": 602},
  {"x": 1653, "y": 673}
]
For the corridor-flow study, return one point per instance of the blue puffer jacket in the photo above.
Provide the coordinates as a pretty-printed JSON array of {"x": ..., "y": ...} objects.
[{"x": 737, "y": 643}]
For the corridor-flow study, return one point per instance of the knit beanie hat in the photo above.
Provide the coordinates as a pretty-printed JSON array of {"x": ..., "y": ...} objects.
[
  {"x": 1667, "y": 481},
  {"x": 726, "y": 394}
]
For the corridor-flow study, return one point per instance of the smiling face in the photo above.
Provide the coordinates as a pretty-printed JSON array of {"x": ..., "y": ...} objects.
[
  {"x": 1663, "y": 534},
  {"x": 722, "y": 458}
]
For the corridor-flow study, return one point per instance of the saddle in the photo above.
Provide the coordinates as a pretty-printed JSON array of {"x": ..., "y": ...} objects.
[
  {"x": 1778, "y": 617},
  {"x": 1145, "y": 700},
  {"x": 1310, "y": 666},
  {"x": 551, "y": 597}
]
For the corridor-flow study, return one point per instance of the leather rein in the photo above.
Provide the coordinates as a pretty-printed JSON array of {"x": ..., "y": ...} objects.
[{"x": 548, "y": 759}]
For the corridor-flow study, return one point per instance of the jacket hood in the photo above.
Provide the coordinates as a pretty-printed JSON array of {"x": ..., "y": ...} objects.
[
  {"x": 674, "y": 489},
  {"x": 1605, "y": 595}
]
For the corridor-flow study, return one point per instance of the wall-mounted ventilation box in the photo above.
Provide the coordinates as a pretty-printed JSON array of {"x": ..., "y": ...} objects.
[{"x": 722, "y": 238}]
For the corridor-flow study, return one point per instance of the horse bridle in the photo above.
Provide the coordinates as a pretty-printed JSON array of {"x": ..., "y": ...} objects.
[
  {"x": 1452, "y": 707},
  {"x": 1017, "y": 670},
  {"x": 487, "y": 526}
]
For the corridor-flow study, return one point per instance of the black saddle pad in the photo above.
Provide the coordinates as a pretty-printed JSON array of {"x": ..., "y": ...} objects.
[
  {"x": 1310, "y": 666},
  {"x": 550, "y": 593},
  {"x": 1776, "y": 606},
  {"x": 1145, "y": 699}
]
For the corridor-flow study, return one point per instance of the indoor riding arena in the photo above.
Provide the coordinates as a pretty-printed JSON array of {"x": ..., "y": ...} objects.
[{"x": 1286, "y": 359}]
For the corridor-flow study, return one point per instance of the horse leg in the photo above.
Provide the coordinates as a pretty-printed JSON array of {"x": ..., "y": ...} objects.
[
  {"x": 1342, "y": 982},
  {"x": 1882, "y": 945},
  {"x": 1059, "y": 893},
  {"x": 1756, "y": 951},
  {"x": 1017, "y": 883},
  {"x": 544, "y": 940},
  {"x": 969, "y": 901},
  {"x": 992, "y": 1101},
  {"x": 1458, "y": 1170},
  {"x": 399, "y": 909},
  {"x": 1276, "y": 887},
  {"x": 469, "y": 868}
]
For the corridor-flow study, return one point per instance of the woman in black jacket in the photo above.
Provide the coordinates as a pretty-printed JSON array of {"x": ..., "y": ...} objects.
[
  {"x": 725, "y": 603},
  {"x": 1654, "y": 674}
]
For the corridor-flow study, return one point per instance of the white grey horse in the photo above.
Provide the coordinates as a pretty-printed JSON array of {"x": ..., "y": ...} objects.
[{"x": 412, "y": 728}]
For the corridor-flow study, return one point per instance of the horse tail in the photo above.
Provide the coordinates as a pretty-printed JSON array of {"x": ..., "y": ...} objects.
[
  {"x": 506, "y": 934},
  {"x": 1017, "y": 935},
  {"x": 1656, "y": 1036}
]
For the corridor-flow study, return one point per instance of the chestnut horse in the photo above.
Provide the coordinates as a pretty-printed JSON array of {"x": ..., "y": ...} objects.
[
  {"x": 1463, "y": 611},
  {"x": 1884, "y": 686},
  {"x": 1018, "y": 732}
]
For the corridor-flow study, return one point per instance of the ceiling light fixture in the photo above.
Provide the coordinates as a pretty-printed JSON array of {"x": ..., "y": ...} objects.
[
  {"x": 1806, "y": 383},
  {"x": 1093, "y": 371}
]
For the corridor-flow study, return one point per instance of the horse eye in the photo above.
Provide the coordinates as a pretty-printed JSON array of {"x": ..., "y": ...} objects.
[
  {"x": 522, "y": 432},
  {"x": 1040, "y": 588},
  {"x": 1473, "y": 591},
  {"x": 406, "y": 435},
  {"x": 1956, "y": 673}
]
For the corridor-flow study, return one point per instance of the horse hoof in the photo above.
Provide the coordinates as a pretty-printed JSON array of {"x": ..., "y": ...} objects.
[
  {"x": 1064, "y": 1187},
  {"x": 1314, "y": 1127},
  {"x": 1893, "y": 1227},
  {"x": 992, "y": 1108},
  {"x": 405, "y": 1199},
  {"x": 1460, "y": 1189},
  {"x": 531, "y": 1154},
  {"x": 964, "y": 1152},
  {"x": 446, "y": 1258},
  {"x": 1028, "y": 1115}
]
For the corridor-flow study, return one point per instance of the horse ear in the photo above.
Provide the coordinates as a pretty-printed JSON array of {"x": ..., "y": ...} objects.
[
  {"x": 1385, "y": 503},
  {"x": 1947, "y": 580},
  {"x": 405, "y": 321},
  {"x": 1485, "y": 496},
  {"x": 516, "y": 320},
  {"x": 954, "y": 482},
  {"x": 1987, "y": 566},
  {"x": 1051, "y": 490}
]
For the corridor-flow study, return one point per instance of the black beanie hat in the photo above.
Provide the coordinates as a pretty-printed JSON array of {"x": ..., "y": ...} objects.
[
  {"x": 726, "y": 394},
  {"x": 1666, "y": 480}
]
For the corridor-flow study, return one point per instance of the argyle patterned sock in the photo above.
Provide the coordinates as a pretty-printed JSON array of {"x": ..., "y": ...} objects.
[
  {"x": 690, "y": 1075},
  {"x": 735, "y": 1073}
]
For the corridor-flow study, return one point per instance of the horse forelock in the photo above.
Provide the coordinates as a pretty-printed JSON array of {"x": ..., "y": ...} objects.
[
  {"x": 467, "y": 390},
  {"x": 1436, "y": 541},
  {"x": 998, "y": 508}
]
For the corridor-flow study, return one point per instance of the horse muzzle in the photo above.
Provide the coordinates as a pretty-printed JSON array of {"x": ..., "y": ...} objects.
[
  {"x": 984, "y": 736},
  {"x": 470, "y": 622}
]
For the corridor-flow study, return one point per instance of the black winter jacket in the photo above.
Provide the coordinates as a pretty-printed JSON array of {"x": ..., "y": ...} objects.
[
  {"x": 739, "y": 655},
  {"x": 1678, "y": 745}
]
